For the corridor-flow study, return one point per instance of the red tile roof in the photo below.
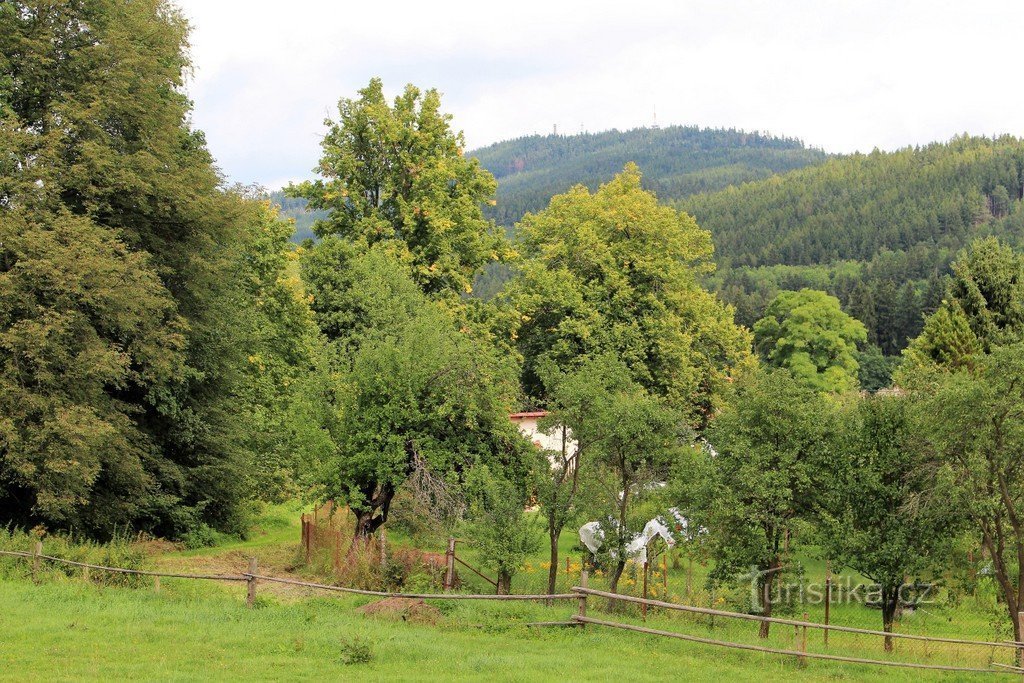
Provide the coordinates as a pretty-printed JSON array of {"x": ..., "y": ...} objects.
[{"x": 523, "y": 416}]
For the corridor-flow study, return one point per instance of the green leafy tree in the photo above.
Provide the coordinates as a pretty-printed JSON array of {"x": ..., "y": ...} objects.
[
  {"x": 415, "y": 393},
  {"x": 503, "y": 535},
  {"x": 874, "y": 371},
  {"x": 283, "y": 390},
  {"x": 632, "y": 439},
  {"x": 396, "y": 175},
  {"x": 808, "y": 333},
  {"x": 614, "y": 272},
  {"x": 83, "y": 319},
  {"x": 877, "y": 515},
  {"x": 755, "y": 484},
  {"x": 970, "y": 424},
  {"x": 573, "y": 410}
]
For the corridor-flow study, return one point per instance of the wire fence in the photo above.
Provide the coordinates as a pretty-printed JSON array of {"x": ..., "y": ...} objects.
[{"x": 788, "y": 638}]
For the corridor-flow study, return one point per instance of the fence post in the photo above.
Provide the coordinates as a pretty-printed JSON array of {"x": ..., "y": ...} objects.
[
  {"x": 250, "y": 596},
  {"x": 1020, "y": 629},
  {"x": 156, "y": 584},
  {"x": 584, "y": 576},
  {"x": 828, "y": 596},
  {"x": 449, "y": 556},
  {"x": 803, "y": 643},
  {"x": 643, "y": 605},
  {"x": 307, "y": 531},
  {"x": 37, "y": 551}
]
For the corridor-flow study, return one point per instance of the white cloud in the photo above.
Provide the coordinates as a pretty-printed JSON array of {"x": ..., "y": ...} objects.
[{"x": 842, "y": 75}]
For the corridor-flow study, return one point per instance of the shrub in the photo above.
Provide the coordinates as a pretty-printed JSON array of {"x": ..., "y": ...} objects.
[
  {"x": 200, "y": 536},
  {"x": 356, "y": 650}
]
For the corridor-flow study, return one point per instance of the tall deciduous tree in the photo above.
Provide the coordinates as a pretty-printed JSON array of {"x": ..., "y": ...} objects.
[
  {"x": 94, "y": 121},
  {"x": 808, "y": 333},
  {"x": 395, "y": 174},
  {"x": 612, "y": 271}
]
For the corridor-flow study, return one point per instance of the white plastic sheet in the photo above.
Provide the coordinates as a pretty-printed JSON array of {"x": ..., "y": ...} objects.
[{"x": 592, "y": 536}]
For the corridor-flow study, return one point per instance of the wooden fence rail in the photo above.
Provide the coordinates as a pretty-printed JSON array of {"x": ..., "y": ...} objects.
[
  {"x": 793, "y": 653},
  {"x": 790, "y": 622},
  {"x": 418, "y": 596},
  {"x": 123, "y": 570},
  {"x": 252, "y": 576}
]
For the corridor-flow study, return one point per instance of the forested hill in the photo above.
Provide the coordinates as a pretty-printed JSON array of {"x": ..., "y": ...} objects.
[
  {"x": 877, "y": 230},
  {"x": 677, "y": 161},
  {"x": 295, "y": 208}
]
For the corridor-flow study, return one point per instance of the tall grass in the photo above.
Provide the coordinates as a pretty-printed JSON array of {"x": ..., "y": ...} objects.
[{"x": 121, "y": 551}]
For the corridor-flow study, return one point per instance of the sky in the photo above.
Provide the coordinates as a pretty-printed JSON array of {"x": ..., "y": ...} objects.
[{"x": 843, "y": 76}]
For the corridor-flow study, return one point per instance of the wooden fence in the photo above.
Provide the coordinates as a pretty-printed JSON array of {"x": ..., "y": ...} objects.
[
  {"x": 580, "y": 594},
  {"x": 802, "y": 655}
]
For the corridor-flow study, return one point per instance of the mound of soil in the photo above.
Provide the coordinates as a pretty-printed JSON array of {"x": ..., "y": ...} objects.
[{"x": 406, "y": 609}]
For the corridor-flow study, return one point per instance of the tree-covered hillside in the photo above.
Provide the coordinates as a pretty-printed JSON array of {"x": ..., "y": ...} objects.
[
  {"x": 294, "y": 208},
  {"x": 877, "y": 230},
  {"x": 677, "y": 161}
]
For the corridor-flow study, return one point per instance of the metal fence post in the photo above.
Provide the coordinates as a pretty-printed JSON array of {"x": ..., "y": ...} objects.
[{"x": 250, "y": 597}]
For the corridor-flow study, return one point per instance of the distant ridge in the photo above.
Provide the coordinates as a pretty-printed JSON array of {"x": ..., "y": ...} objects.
[{"x": 677, "y": 161}]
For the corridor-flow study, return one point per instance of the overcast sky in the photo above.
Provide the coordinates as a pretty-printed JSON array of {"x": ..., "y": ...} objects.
[{"x": 843, "y": 76}]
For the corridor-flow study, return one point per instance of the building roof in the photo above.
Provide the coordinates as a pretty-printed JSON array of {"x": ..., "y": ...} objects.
[{"x": 526, "y": 415}]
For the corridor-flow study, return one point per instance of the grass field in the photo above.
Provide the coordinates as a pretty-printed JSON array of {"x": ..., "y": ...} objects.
[{"x": 66, "y": 629}]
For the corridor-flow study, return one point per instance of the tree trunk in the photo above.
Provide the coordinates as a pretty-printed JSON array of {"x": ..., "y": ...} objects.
[
  {"x": 504, "y": 582},
  {"x": 890, "y": 604},
  {"x": 553, "y": 570},
  {"x": 767, "y": 581},
  {"x": 613, "y": 585}
]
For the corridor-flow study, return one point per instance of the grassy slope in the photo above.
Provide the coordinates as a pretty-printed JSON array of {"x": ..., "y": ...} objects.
[
  {"x": 67, "y": 630},
  {"x": 72, "y": 631}
]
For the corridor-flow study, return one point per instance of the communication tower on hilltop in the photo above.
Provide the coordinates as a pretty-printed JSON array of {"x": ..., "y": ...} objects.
[{"x": 655, "y": 125}]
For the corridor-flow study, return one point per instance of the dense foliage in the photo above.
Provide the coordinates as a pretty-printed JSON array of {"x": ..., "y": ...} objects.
[
  {"x": 807, "y": 333},
  {"x": 396, "y": 175},
  {"x": 613, "y": 271},
  {"x": 127, "y": 277},
  {"x": 876, "y": 230}
]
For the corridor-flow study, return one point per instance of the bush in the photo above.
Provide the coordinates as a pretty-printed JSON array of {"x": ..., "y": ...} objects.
[
  {"x": 356, "y": 650},
  {"x": 201, "y": 536}
]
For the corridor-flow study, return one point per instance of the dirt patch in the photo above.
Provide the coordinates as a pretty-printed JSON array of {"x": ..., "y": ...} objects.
[
  {"x": 157, "y": 546},
  {"x": 406, "y": 609}
]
